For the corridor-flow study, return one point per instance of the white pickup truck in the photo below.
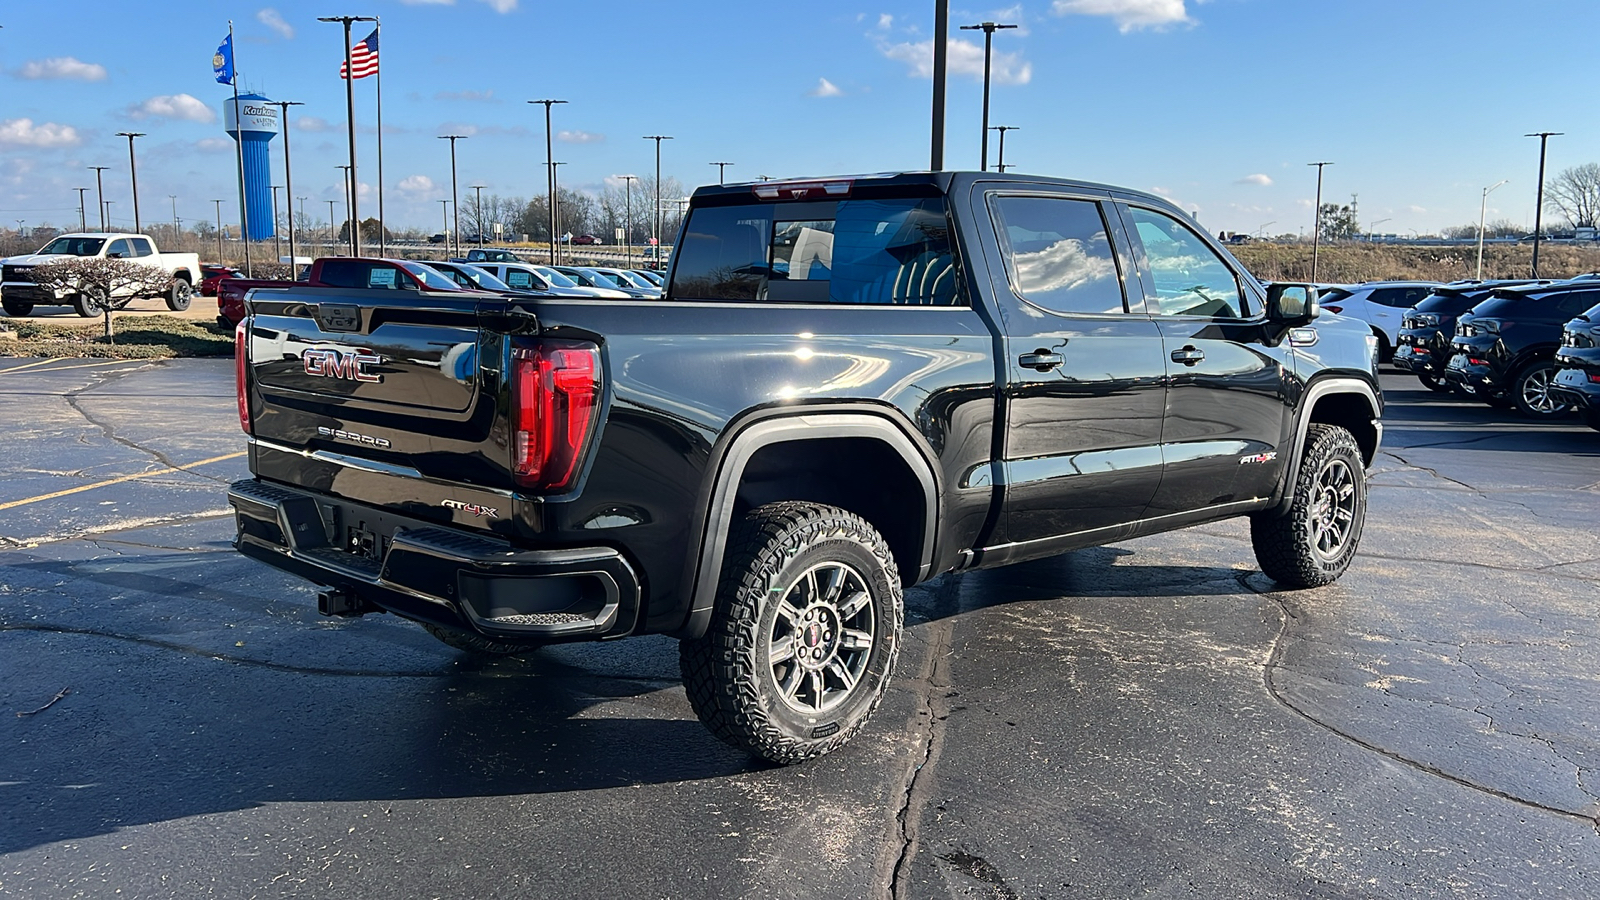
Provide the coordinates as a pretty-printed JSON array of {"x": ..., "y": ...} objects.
[{"x": 19, "y": 294}]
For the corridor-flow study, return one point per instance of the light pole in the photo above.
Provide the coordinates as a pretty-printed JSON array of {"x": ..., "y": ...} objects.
[
  {"x": 277, "y": 249},
  {"x": 1316, "y": 226},
  {"x": 658, "y": 138},
  {"x": 720, "y": 166},
  {"x": 349, "y": 207},
  {"x": 1001, "y": 165},
  {"x": 288, "y": 178},
  {"x": 478, "y": 189},
  {"x": 330, "y": 225},
  {"x": 988, "y": 29},
  {"x": 444, "y": 213},
  {"x": 133, "y": 175},
  {"x": 555, "y": 211},
  {"x": 1538, "y": 209},
  {"x": 108, "y": 209},
  {"x": 1372, "y": 229},
  {"x": 627, "y": 230},
  {"x": 177, "y": 242},
  {"x": 219, "y": 231},
  {"x": 1483, "y": 209},
  {"x": 455, "y": 201},
  {"x": 83, "y": 221},
  {"x": 1260, "y": 231},
  {"x": 350, "y": 122},
  {"x": 100, "y": 194},
  {"x": 550, "y": 172},
  {"x": 941, "y": 39}
]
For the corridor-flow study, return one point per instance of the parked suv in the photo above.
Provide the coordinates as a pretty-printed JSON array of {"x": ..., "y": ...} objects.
[
  {"x": 1577, "y": 381},
  {"x": 1380, "y": 304},
  {"x": 855, "y": 385},
  {"x": 1505, "y": 347},
  {"x": 1423, "y": 348}
]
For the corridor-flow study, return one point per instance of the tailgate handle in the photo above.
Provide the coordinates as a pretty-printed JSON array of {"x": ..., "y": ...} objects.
[
  {"x": 1040, "y": 360},
  {"x": 1188, "y": 355}
]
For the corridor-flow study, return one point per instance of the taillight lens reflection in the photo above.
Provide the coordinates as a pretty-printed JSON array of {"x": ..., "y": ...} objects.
[
  {"x": 241, "y": 362},
  {"x": 556, "y": 400}
]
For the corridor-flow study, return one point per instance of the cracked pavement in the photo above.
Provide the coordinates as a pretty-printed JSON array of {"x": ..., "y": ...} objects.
[{"x": 1152, "y": 718}]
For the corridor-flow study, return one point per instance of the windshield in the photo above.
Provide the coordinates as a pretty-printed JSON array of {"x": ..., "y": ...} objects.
[
  {"x": 432, "y": 279},
  {"x": 74, "y": 246},
  {"x": 556, "y": 278},
  {"x": 485, "y": 280},
  {"x": 633, "y": 280},
  {"x": 651, "y": 277}
]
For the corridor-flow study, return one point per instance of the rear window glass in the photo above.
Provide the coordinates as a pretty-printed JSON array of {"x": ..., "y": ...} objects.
[
  {"x": 1543, "y": 306},
  {"x": 1449, "y": 302},
  {"x": 1332, "y": 295},
  {"x": 889, "y": 252}
]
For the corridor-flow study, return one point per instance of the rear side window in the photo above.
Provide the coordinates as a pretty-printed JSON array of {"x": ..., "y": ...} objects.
[
  {"x": 523, "y": 280},
  {"x": 1399, "y": 298},
  {"x": 355, "y": 273},
  {"x": 1576, "y": 302},
  {"x": 1058, "y": 254},
  {"x": 141, "y": 247},
  {"x": 885, "y": 252}
]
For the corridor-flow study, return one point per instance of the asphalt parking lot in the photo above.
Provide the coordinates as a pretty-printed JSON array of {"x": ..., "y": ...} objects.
[{"x": 1149, "y": 719}]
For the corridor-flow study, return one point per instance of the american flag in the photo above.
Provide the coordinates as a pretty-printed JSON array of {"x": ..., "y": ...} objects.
[{"x": 363, "y": 57}]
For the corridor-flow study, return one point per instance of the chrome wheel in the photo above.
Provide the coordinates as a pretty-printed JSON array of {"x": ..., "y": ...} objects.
[
  {"x": 821, "y": 637},
  {"x": 1333, "y": 508},
  {"x": 1536, "y": 392}
]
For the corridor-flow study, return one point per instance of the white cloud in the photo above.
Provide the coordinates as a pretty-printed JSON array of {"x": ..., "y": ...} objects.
[
  {"x": 174, "y": 106},
  {"x": 1130, "y": 15},
  {"x": 270, "y": 18},
  {"x": 1416, "y": 209},
  {"x": 465, "y": 95},
  {"x": 417, "y": 184},
  {"x": 64, "y": 68},
  {"x": 499, "y": 6},
  {"x": 579, "y": 137},
  {"x": 313, "y": 123},
  {"x": 1258, "y": 178},
  {"x": 885, "y": 22},
  {"x": 23, "y": 133},
  {"x": 502, "y": 6},
  {"x": 214, "y": 144},
  {"x": 825, "y": 88},
  {"x": 963, "y": 58}
]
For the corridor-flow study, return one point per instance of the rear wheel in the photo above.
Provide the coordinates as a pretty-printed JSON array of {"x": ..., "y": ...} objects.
[
  {"x": 478, "y": 646},
  {"x": 1312, "y": 544},
  {"x": 1498, "y": 401},
  {"x": 17, "y": 307},
  {"x": 804, "y": 635},
  {"x": 1530, "y": 391},
  {"x": 179, "y": 295},
  {"x": 87, "y": 306}
]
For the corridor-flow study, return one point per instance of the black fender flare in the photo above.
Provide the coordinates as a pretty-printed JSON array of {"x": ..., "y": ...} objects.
[
  {"x": 1323, "y": 387},
  {"x": 785, "y": 426}
]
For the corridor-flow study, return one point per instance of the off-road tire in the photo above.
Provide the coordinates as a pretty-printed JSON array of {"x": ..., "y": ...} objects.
[
  {"x": 729, "y": 673},
  {"x": 86, "y": 306},
  {"x": 1434, "y": 382},
  {"x": 179, "y": 295},
  {"x": 1527, "y": 381},
  {"x": 1287, "y": 546},
  {"x": 16, "y": 307},
  {"x": 478, "y": 646}
]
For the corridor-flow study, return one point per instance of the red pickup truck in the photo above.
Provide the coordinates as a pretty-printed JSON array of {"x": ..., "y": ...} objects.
[{"x": 335, "y": 272}]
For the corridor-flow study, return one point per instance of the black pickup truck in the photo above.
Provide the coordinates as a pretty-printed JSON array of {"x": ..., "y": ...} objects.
[{"x": 851, "y": 385}]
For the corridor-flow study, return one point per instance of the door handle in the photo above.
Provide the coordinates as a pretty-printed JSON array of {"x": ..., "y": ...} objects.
[
  {"x": 1040, "y": 360},
  {"x": 1188, "y": 355}
]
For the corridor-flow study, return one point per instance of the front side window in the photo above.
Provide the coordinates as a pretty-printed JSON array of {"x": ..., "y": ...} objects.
[
  {"x": 865, "y": 251},
  {"x": 1189, "y": 279},
  {"x": 1058, "y": 254}
]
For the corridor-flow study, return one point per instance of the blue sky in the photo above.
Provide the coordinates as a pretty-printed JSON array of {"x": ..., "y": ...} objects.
[{"x": 1218, "y": 104}]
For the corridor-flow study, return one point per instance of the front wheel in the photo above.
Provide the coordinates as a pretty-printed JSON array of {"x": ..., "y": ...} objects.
[
  {"x": 179, "y": 295},
  {"x": 87, "y": 306},
  {"x": 17, "y": 308},
  {"x": 804, "y": 635},
  {"x": 1530, "y": 391},
  {"x": 1313, "y": 544}
]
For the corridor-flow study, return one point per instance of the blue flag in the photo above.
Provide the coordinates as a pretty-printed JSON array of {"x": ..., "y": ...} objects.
[{"x": 222, "y": 62}]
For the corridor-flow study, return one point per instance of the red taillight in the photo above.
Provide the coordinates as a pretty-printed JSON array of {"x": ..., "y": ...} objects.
[
  {"x": 1333, "y": 309},
  {"x": 1476, "y": 361},
  {"x": 241, "y": 363},
  {"x": 1421, "y": 351},
  {"x": 555, "y": 391},
  {"x": 1594, "y": 379}
]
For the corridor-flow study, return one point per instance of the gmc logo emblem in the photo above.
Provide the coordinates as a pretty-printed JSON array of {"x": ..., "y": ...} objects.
[{"x": 346, "y": 364}]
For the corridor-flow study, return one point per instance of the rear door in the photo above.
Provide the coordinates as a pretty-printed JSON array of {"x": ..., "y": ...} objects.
[
  {"x": 1227, "y": 408},
  {"x": 1084, "y": 373}
]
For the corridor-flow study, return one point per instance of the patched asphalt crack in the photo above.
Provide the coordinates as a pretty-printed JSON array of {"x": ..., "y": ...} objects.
[
  {"x": 110, "y": 431},
  {"x": 1274, "y": 663}
]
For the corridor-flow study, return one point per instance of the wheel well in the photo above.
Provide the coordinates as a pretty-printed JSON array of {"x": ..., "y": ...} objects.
[
  {"x": 1353, "y": 413},
  {"x": 862, "y": 475},
  {"x": 183, "y": 275}
]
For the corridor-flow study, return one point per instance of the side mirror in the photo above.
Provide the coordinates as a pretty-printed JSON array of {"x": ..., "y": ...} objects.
[{"x": 1292, "y": 305}]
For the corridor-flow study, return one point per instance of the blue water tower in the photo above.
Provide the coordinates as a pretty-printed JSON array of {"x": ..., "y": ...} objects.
[{"x": 254, "y": 128}]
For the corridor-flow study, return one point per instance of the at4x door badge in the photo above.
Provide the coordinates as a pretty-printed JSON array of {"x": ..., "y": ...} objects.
[{"x": 473, "y": 508}]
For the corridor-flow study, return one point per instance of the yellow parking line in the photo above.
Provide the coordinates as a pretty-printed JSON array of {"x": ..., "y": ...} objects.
[
  {"x": 119, "y": 480},
  {"x": 38, "y": 362},
  {"x": 104, "y": 362}
]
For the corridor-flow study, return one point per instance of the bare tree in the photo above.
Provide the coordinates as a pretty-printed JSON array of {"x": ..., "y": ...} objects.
[
  {"x": 103, "y": 284},
  {"x": 1575, "y": 193}
]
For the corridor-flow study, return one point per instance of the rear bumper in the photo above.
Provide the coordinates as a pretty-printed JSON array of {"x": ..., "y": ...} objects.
[
  {"x": 1573, "y": 387},
  {"x": 452, "y": 578}
]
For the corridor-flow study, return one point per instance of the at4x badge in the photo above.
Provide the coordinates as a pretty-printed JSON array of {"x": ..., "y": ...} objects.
[
  {"x": 1267, "y": 457},
  {"x": 473, "y": 508}
]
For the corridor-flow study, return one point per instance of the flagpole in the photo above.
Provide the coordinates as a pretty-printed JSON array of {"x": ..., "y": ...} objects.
[
  {"x": 238, "y": 152},
  {"x": 383, "y": 243},
  {"x": 350, "y": 116}
]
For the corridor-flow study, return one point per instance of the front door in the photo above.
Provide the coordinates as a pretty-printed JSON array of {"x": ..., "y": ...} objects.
[
  {"x": 1085, "y": 388},
  {"x": 1226, "y": 405}
]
